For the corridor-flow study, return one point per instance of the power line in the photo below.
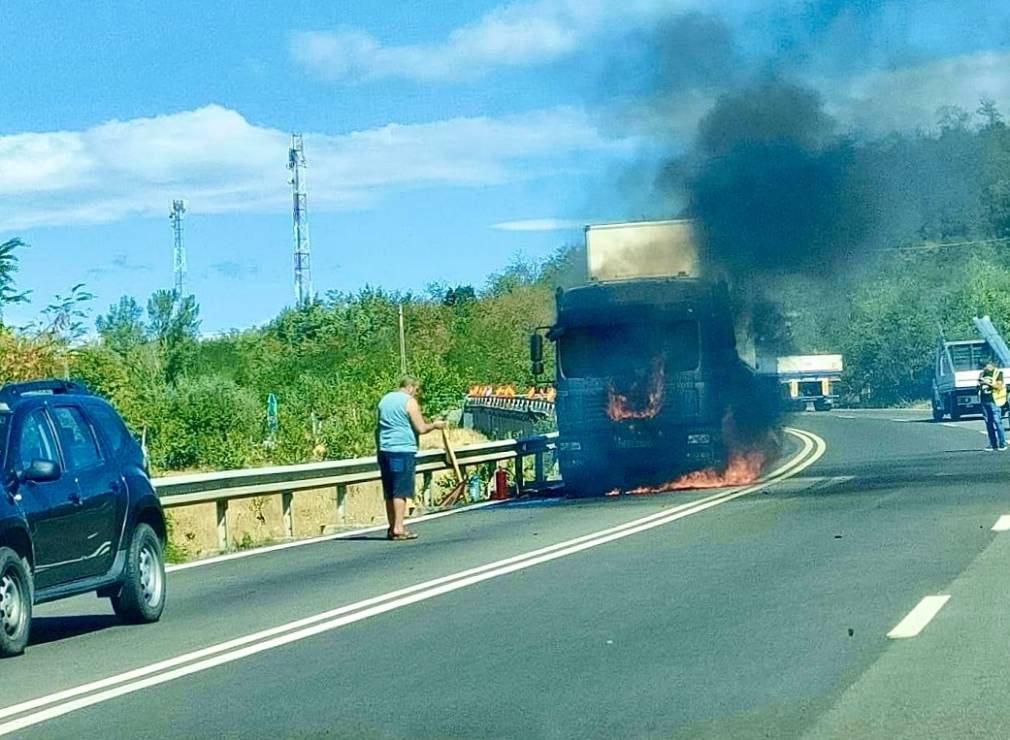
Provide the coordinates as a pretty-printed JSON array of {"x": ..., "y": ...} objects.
[{"x": 928, "y": 246}]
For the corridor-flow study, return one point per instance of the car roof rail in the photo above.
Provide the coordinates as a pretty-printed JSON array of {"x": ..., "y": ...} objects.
[{"x": 12, "y": 391}]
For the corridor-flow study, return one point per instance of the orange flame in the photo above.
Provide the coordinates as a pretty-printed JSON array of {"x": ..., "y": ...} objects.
[
  {"x": 618, "y": 405},
  {"x": 743, "y": 468}
]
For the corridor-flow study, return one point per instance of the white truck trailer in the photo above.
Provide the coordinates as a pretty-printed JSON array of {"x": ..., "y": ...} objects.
[{"x": 807, "y": 381}]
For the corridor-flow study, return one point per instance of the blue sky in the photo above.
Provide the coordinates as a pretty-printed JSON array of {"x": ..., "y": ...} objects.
[{"x": 427, "y": 126}]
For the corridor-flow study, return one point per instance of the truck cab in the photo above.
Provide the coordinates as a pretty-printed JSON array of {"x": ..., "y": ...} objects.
[{"x": 645, "y": 372}]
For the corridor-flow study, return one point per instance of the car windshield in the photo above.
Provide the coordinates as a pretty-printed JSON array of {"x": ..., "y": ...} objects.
[{"x": 621, "y": 349}]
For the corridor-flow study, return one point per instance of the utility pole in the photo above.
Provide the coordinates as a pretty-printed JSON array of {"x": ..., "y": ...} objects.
[
  {"x": 179, "y": 249},
  {"x": 403, "y": 345},
  {"x": 303, "y": 273}
]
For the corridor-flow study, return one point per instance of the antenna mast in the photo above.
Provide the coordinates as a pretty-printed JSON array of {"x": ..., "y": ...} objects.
[
  {"x": 179, "y": 250},
  {"x": 303, "y": 273}
]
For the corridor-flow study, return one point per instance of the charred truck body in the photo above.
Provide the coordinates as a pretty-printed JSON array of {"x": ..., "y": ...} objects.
[{"x": 647, "y": 370}]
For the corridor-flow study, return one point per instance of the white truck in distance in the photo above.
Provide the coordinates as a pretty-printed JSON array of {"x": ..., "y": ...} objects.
[{"x": 958, "y": 365}]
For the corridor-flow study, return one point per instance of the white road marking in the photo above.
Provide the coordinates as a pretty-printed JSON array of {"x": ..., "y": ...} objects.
[
  {"x": 64, "y": 702},
  {"x": 325, "y": 538},
  {"x": 919, "y": 617},
  {"x": 1002, "y": 524}
]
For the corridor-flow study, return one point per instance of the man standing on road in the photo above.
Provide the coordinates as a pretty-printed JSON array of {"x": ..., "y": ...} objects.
[
  {"x": 400, "y": 423},
  {"x": 992, "y": 394}
]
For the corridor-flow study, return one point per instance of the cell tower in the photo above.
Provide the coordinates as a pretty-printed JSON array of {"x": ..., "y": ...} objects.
[
  {"x": 303, "y": 272},
  {"x": 179, "y": 250}
]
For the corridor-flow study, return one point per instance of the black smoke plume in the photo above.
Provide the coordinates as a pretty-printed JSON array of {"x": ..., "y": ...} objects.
[{"x": 773, "y": 187}]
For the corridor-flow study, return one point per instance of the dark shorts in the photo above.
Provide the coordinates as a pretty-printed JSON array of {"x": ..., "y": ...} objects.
[{"x": 397, "y": 470}]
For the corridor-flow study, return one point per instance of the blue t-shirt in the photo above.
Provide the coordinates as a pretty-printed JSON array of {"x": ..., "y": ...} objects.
[{"x": 396, "y": 433}]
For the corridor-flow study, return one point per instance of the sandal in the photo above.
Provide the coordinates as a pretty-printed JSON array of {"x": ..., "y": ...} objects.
[{"x": 406, "y": 535}]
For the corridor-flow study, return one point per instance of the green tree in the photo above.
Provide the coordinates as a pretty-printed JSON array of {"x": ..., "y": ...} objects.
[
  {"x": 8, "y": 267},
  {"x": 174, "y": 324},
  {"x": 122, "y": 329}
]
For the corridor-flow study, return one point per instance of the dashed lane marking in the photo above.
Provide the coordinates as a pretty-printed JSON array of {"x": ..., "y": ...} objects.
[
  {"x": 919, "y": 617},
  {"x": 1002, "y": 524}
]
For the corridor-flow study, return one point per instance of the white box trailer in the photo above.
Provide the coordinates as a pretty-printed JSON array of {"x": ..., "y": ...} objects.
[
  {"x": 642, "y": 249},
  {"x": 808, "y": 381}
]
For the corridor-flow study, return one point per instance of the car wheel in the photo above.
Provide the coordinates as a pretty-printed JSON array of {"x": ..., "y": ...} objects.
[
  {"x": 142, "y": 596},
  {"x": 15, "y": 603}
]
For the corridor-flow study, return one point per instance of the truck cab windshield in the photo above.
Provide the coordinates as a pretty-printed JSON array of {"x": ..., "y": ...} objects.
[{"x": 617, "y": 350}]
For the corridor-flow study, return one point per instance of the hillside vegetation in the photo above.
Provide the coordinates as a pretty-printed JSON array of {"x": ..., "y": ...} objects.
[{"x": 202, "y": 402}]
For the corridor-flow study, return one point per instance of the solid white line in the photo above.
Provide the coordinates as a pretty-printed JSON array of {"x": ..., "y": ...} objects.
[
  {"x": 238, "y": 642},
  {"x": 918, "y": 618},
  {"x": 1002, "y": 524},
  {"x": 324, "y": 538},
  {"x": 813, "y": 449}
]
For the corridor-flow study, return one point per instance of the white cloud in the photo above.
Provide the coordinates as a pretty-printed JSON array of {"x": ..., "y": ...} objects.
[
  {"x": 908, "y": 97},
  {"x": 540, "y": 224},
  {"x": 220, "y": 162},
  {"x": 515, "y": 34}
]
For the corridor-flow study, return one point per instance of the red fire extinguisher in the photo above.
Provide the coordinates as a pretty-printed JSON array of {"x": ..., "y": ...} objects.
[{"x": 501, "y": 485}]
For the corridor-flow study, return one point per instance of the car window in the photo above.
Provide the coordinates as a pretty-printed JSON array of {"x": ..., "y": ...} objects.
[
  {"x": 108, "y": 420},
  {"x": 36, "y": 441},
  {"x": 76, "y": 438}
]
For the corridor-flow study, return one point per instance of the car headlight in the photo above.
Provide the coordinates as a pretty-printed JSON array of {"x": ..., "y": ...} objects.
[{"x": 699, "y": 439}]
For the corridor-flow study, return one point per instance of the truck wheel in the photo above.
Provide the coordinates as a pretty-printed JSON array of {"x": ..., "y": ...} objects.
[
  {"x": 955, "y": 410},
  {"x": 142, "y": 597},
  {"x": 937, "y": 413},
  {"x": 15, "y": 603}
]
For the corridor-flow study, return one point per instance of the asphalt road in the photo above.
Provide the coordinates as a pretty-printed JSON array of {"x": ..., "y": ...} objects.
[{"x": 752, "y": 613}]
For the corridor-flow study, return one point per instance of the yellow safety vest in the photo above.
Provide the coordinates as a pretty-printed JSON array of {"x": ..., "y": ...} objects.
[{"x": 998, "y": 394}]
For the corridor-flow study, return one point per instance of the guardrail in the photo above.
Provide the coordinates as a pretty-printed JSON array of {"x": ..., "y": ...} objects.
[{"x": 221, "y": 487}]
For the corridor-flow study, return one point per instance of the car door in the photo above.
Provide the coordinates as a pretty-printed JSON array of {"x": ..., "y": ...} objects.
[
  {"x": 98, "y": 483},
  {"x": 50, "y": 507}
]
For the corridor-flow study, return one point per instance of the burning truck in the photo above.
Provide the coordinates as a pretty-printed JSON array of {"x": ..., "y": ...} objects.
[{"x": 651, "y": 391}]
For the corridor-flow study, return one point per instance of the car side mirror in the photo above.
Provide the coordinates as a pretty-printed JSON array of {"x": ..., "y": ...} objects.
[
  {"x": 537, "y": 354},
  {"x": 41, "y": 471}
]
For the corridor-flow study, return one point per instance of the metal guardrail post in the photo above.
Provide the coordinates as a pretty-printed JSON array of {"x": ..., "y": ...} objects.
[
  {"x": 426, "y": 479},
  {"x": 289, "y": 520},
  {"x": 341, "y": 503},
  {"x": 538, "y": 466},
  {"x": 520, "y": 476},
  {"x": 222, "y": 524}
]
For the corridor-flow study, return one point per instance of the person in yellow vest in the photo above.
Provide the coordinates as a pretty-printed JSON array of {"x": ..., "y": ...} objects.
[{"x": 992, "y": 394}]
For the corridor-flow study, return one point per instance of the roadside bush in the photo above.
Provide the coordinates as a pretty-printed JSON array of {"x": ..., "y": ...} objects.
[{"x": 209, "y": 422}]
